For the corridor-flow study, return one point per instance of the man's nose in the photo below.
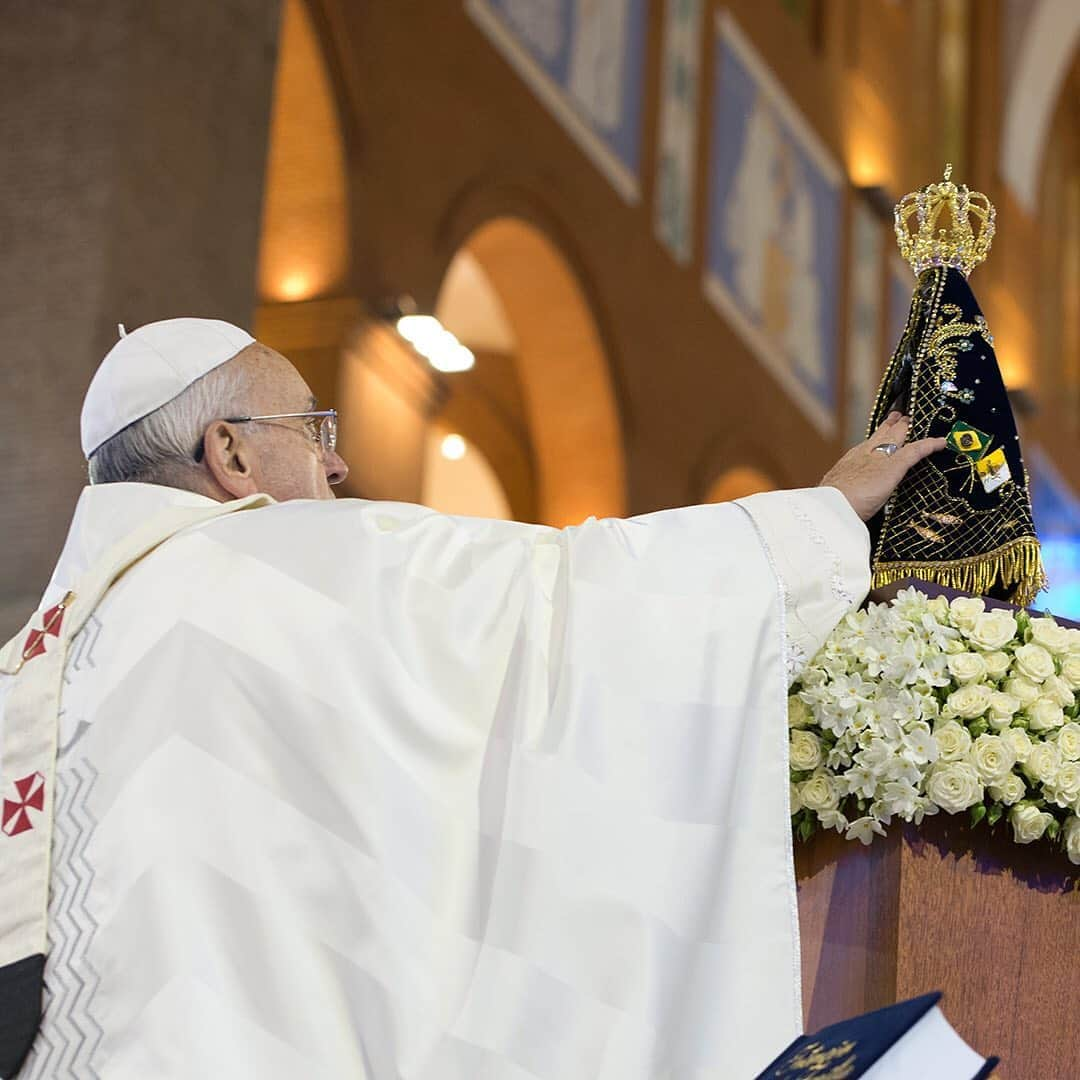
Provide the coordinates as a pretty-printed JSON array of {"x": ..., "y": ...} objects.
[{"x": 336, "y": 469}]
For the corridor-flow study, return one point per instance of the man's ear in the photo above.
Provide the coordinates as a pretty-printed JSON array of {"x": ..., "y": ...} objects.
[{"x": 230, "y": 458}]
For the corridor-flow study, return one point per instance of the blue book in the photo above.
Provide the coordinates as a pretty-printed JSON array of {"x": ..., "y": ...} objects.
[{"x": 911, "y": 1038}]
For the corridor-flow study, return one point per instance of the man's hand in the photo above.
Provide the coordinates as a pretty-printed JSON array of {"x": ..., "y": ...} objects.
[{"x": 867, "y": 477}]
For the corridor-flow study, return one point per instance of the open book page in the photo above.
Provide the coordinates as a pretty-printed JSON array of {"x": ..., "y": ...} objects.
[{"x": 930, "y": 1050}]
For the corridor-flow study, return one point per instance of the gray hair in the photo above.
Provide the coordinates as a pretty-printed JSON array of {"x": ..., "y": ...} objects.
[{"x": 161, "y": 447}]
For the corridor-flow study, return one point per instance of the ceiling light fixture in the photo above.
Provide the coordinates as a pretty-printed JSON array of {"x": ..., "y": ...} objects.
[
  {"x": 433, "y": 341},
  {"x": 453, "y": 448}
]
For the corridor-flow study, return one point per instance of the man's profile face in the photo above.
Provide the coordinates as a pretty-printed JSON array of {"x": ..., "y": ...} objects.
[{"x": 288, "y": 461}]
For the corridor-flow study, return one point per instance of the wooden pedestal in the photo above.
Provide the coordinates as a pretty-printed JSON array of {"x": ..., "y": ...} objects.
[{"x": 993, "y": 924}]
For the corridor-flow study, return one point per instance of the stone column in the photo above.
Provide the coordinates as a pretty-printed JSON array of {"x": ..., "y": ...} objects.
[{"x": 135, "y": 141}]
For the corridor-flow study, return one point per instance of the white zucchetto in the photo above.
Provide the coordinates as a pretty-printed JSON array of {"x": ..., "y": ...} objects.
[{"x": 150, "y": 366}]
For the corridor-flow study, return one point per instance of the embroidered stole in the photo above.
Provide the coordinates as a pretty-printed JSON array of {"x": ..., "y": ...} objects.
[{"x": 36, "y": 659}]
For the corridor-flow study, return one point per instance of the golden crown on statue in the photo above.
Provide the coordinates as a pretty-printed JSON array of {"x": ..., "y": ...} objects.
[{"x": 934, "y": 226}]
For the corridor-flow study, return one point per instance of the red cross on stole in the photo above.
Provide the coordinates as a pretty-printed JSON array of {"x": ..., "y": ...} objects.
[{"x": 30, "y": 792}]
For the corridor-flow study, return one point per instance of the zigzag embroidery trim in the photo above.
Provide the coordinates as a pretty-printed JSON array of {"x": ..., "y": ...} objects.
[{"x": 70, "y": 1036}]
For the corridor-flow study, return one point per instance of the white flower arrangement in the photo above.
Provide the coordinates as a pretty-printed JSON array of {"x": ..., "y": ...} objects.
[{"x": 923, "y": 705}]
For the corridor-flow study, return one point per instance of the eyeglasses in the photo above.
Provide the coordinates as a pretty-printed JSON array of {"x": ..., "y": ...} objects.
[{"x": 321, "y": 427}]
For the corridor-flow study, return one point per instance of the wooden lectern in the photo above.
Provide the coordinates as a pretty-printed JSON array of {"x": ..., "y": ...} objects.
[{"x": 994, "y": 924}]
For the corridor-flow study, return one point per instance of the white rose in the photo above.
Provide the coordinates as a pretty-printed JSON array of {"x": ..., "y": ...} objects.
[
  {"x": 997, "y": 664},
  {"x": 931, "y": 707},
  {"x": 1034, "y": 662},
  {"x": 938, "y": 606},
  {"x": 1020, "y": 741},
  {"x": 1003, "y": 707},
  {"x": 1064, "y": 789},
  {"x": 954, "y": 786},
  {"x": 993, "y": 629},
  {"x": 1043, "y": 762},
  {"x": 819, "y": 792},
  {"x": 953, "y": 739},
  {"x": 1044, "y": 715},
  {"x": 798, "y": 713},
  {"x": 1023, "y": 689},
  {"x": 964, "y": 610},
  {"x": 1068, "y": 740},
  {"x": 832, "y": 819},
  {"x": 1072, "y": 839},
  {"x": 1028, "y": 823},
  {"x": 966, "y": 667},
  {"x": 1074, "y": 640},
  {"x": 969, "y": 701},
  {"x": 1011, "y": 790},
  {"x": 993, "y": 758},
  {"x": 805, "y": 751},
  {"x": 1059, "y": 691},
  {"x": 1049, "y": 635},
  {"x": 1070, "y": 671}
]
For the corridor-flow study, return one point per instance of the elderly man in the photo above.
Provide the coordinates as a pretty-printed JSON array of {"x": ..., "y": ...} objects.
[{"x": 303, "y": 788}]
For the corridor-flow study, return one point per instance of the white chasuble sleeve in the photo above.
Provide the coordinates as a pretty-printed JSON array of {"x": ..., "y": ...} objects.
[
  {"x": 821, "y": 554},
  {"x": 666, "y": 788}
]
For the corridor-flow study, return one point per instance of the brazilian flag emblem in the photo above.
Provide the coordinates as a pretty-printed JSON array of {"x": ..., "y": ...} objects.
[{"x": 968, "y": 440}]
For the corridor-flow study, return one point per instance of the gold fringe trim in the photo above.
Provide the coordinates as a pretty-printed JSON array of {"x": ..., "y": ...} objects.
[{"x": 1017, "y": 564}]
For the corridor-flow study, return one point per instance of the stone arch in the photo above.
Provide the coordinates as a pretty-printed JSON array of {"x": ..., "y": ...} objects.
[
  {"x": 1046, "y": 51},
  {"x": 569, "y": 399},
  {"x": 304, "y": 248},
  {"x": 733, "y": 467},
  {"x": 486, "y": 404}
]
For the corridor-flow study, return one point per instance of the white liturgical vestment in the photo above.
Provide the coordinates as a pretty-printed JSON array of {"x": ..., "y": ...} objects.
[{"x": 357, "y": 790}]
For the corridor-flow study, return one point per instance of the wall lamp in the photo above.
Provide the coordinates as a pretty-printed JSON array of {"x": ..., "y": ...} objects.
[
  {"x": 427, "y": 336},
  {"x": 878, "y": 200}
]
